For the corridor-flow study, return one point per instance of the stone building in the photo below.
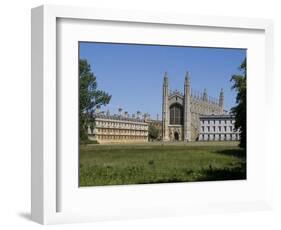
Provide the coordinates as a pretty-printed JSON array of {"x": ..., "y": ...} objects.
[
  {"x": 183, "y": 113},
  {"x": 218, "y": 128},
  {"x": 187, "y": 116},
  {"x": 118, "y": 128}
]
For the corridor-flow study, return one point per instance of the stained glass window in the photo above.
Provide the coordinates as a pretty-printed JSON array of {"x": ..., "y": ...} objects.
[{"x": 176, "y": 114}]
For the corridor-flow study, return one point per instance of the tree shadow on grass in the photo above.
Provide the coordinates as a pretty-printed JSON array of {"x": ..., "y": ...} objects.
[
  {"x": 229, "y": 173},
  {"x": 240, "y": 153},
  {"x": 225, "y": 174},
  {"x": 207, "y": 174},
  {"x": 235, "y": 173}
]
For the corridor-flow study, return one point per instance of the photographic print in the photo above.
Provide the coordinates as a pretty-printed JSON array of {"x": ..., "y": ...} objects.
[{"x": 161, "y": 114}]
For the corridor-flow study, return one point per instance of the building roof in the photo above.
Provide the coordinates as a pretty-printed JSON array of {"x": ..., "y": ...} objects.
[
  {"x": 117, "y": 117},
  {"x": 222, "y": 116}
]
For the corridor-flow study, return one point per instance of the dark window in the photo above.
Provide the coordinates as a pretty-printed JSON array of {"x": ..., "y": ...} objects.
[{"x": 176, "y": 114}]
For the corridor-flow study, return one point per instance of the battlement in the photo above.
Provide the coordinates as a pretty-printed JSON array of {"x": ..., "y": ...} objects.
[
  {"x": 175, "y": 92},
  {"x": 199, "y": 96}
]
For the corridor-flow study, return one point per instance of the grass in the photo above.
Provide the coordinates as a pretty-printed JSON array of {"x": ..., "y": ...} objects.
[
  {"x": 87, "y": 142},
  {"x": 117, "y": 164}
]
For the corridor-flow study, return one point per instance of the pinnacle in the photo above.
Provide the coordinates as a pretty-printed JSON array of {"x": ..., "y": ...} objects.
[{"x": 187, "y": 79}]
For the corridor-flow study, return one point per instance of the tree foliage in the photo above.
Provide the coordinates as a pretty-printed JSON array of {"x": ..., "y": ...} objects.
[
  {"x": 153, "y": 132},
  {"x": 89, "y": 96},
  {"x": 239, "y": 111}
]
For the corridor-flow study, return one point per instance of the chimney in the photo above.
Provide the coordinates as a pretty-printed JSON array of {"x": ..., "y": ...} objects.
[
  {"x": 97, "y": 109},
  {"x": 120, "y": 111},
  {"x": 126, "y": 114}
]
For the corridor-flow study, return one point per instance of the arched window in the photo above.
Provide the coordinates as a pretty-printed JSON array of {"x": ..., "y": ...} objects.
[{"x": 176, "y": 114}]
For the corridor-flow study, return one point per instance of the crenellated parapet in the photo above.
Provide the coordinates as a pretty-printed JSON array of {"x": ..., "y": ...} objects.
[
  {"x": 175, "y": 92},
  {"x": 203, "y": 104}
]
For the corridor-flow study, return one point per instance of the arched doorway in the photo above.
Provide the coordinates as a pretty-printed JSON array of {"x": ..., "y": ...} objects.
[{"x": 176, "y": 136}]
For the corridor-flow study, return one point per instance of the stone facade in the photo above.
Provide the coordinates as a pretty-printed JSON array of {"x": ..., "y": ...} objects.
[
  {"x": 181, "y": 112},
  {"x": 117, "y": 128},
  {"x": 218, "y": 128}
]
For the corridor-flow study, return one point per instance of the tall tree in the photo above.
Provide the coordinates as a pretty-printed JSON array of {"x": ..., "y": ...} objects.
[
  {"x": 239, "y": 111},
  {"x": 153, "y": 132},
  {"x": 89, "y": 96}
]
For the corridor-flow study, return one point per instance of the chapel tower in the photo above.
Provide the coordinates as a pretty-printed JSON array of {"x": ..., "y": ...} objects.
[
  {"x": 165, "y": 109},
  {"x": 221, "y": 100},
  {"x": 187, "y": 112},
  {"x": 181, "y": 112}
]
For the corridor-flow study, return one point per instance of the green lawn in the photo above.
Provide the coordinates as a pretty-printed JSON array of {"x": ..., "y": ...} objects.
[{"x": 157, "y": 163}]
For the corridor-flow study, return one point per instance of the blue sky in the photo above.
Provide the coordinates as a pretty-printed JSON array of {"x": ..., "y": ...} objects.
[{"x": 133, "y": 74}]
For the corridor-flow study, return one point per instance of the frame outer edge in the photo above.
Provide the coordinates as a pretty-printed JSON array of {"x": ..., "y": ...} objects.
[
  {"x": 49, "y": 115},
  {"x": 270, "y": 101},
  {"x": 166, "y": 18},
  {"x": 37, "y": 163},
  {"x": 43, "y": 89}
]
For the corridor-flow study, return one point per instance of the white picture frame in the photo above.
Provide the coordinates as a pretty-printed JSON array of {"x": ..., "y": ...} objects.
[{"x": 52, "y": 202}]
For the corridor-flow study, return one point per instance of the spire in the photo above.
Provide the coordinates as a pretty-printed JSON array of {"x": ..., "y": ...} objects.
[
  {"x": 205, "y": 95},
  {"x": 221, "y": 93},
  {"x": 187, "y": 79},
  {"x": 165, "y": 82},
  {"x": 221, "y": 99},
  {"x": 186, "y": 85},
  {"x": 165, "y": 109},
  {"x": 187, "y": 110}
]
